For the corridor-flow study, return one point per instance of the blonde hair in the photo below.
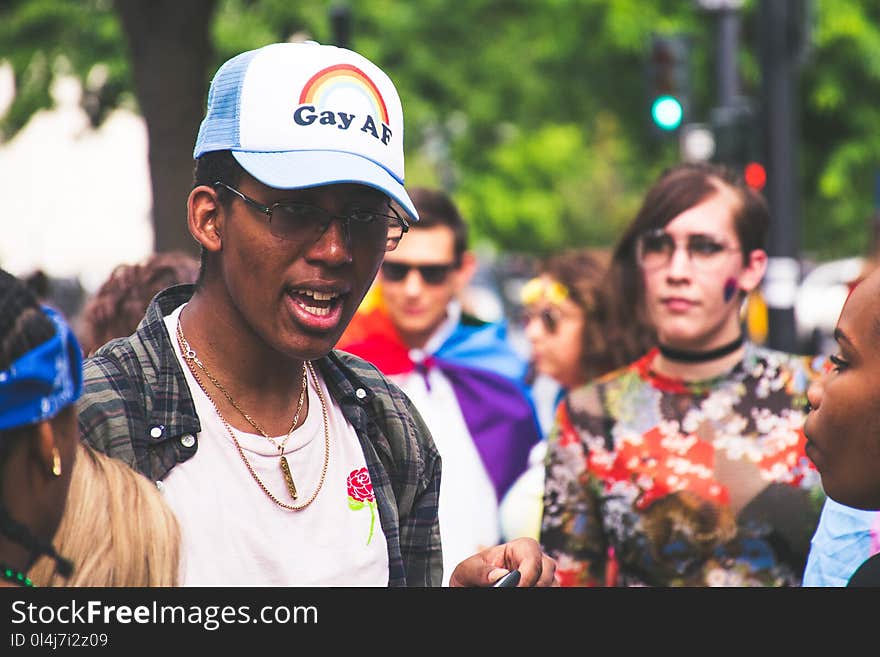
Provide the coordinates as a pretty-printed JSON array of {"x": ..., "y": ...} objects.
[{"x": 117, "y": 528}]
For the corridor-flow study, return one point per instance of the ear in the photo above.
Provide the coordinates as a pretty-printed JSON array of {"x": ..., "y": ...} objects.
[
  {"x": 466, "y": 271},
  {"x": 751, "y": 276},
  {"x": 204, "y": 216}
]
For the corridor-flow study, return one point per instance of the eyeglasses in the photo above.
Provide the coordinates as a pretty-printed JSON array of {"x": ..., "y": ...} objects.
[
  {"x": 302, "y": 222},
  {"x": 549, "y": 318},
  {"x": 655, "y": 248},
  {"x": 431, "y": 274}
]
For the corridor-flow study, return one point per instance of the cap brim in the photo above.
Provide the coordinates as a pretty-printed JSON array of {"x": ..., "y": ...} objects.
[{"x": 299, "y": 169}]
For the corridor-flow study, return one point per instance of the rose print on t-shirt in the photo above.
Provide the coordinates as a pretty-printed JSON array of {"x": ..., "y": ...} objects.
[{"x": 360, "y": 494}]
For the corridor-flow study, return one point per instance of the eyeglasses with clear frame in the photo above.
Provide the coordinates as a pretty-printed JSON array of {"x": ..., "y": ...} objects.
[
  {"x": 655, "y": 248},
  {"x": 303, "y": 222}
]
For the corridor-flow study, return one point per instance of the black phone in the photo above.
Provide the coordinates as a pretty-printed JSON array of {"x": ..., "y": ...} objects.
[{"x": 510, "y": 580}]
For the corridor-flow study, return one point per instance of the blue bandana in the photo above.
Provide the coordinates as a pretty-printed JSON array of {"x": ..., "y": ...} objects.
[{"x": 43, "y": 381}]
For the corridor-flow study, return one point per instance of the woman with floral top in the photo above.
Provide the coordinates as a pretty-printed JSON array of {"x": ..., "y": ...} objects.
[{"x": 686, "y": 467}]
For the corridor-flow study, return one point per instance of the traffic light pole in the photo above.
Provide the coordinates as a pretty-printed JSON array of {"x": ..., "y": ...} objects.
[
  {"x": 668, "y": 82},
  {"x": 732, "y": 119},
  {"x": 728, "y": 42},
  {"x": 340, "y": 22},
  {"x": 780, "y": 127}
]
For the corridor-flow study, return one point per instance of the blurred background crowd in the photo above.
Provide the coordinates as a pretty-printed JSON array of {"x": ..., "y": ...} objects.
[
  {"x": 545, "y": 121},
  {"x": 550, "y": 147}
]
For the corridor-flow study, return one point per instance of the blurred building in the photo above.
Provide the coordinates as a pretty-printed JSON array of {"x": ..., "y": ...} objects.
[{"x": 76, "y": 200}]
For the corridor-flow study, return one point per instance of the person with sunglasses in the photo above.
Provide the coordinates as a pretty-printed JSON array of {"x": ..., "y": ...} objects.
[
  {"x": 460, "y": 372},
  {"x": 686, "y": 467},
  {"x": 571, "y": 343},
  {"x": 286, "y": 462},
  {"x": 564, "y": 314}
]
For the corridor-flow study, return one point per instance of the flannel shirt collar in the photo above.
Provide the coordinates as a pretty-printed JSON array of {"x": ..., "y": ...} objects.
[{"x": 177, "y": 411}]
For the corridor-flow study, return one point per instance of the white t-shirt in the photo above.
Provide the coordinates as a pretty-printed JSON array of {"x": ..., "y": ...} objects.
[
  {"x": 234, "y": 535},
  {"x": 468, "y": 505}
]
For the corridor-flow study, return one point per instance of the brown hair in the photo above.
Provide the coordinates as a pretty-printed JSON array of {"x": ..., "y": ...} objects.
[
  {"x": 678, "y": 189},
  {"x": 605, "y": 346},
  {"x": 436, "y": 208},
  {"x": 119, "y": 304}
]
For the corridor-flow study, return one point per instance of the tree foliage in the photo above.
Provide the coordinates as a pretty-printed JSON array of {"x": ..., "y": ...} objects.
[
  {"x": 533, "y": 113},
  {"x": 840, "y": 90},
  {"x": 44, "y": 38}
]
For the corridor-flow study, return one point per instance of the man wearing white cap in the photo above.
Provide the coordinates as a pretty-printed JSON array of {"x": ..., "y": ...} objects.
[{"x": 287, "y": 463}]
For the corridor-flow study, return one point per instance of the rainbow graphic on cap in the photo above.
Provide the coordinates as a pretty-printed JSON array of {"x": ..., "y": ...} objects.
[{"x": 332, "y": 78}]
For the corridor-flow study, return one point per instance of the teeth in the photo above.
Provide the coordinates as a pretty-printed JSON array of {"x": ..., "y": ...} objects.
[
  {"x": 318, "y": 296},
  {"x": 321, "y": 312}
]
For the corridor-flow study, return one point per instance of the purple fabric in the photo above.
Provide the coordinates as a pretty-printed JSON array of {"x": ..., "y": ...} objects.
[{"x": 500, "y": 418}]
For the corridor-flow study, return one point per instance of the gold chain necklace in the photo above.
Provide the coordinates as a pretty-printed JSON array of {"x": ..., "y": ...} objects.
[
  {"x": 189, "y": 355},
  {"x": 190, "y": 358}
]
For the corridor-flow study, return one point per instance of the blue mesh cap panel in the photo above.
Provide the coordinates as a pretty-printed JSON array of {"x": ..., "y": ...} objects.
[{"x": 220, "y": 127}]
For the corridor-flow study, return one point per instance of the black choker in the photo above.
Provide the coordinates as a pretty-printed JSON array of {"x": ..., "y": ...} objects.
[{"x": 684, "y": 356}]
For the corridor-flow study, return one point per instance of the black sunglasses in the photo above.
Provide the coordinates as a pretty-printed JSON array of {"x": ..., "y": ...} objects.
[{"x": 431, "y": 274}]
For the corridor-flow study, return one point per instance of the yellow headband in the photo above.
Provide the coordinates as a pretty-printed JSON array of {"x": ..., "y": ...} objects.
[{"x": 537, "y": 289}]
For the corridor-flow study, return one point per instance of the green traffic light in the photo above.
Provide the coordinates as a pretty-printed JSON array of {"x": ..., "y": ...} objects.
[{"x": 667, "y": 112}]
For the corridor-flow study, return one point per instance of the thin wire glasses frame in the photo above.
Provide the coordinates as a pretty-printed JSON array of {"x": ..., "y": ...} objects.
[
  {"x": 656, "y": 248},
  {"x": 303, "y": 222}
]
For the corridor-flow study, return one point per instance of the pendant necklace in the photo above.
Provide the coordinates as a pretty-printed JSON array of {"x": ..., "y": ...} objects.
[{"x": 191, "y": 359}]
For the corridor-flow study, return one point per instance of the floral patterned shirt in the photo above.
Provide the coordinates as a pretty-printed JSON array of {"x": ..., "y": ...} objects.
[{"x": 653, "y": 481}]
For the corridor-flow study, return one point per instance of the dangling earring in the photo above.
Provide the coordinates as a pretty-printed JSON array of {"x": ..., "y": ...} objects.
[{"x": 56, "y": 462}]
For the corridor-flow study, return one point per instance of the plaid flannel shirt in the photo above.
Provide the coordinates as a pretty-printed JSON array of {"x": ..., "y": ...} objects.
[{"x": 136, "y": 406}]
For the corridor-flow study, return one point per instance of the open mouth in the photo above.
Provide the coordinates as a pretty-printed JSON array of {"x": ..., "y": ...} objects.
[
  {"x": 316, "y": 310},
  {"x": 315, "y": 302}
]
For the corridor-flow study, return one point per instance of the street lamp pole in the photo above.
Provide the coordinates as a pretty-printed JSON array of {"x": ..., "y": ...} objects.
[
  {"x": 340, "y": 22},
  {"x": 728, "y": 42},
  {"x": 780, "y": 119},
  {"x": 727, "y": 14}
]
